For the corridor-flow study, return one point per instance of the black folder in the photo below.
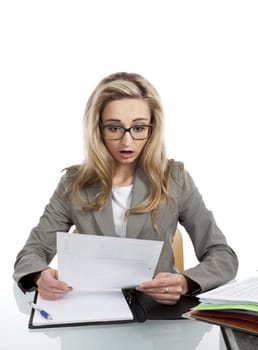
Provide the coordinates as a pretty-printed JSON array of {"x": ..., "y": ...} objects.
[{"x": 142, "y": 308}]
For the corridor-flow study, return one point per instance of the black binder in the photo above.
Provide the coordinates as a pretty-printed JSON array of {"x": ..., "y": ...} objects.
[{"x": 142, "y": 307}]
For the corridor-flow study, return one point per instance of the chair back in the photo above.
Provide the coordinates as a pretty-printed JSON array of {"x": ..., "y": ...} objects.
[{"x": 178, "y": 249}]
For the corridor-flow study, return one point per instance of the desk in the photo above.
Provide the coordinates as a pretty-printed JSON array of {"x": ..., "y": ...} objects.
[
  {"x": 237, "y": 340},
  {"x": 150, "y": 335}
]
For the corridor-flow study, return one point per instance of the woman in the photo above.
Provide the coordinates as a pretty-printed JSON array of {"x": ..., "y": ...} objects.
[{"x": 127, "y": 187}]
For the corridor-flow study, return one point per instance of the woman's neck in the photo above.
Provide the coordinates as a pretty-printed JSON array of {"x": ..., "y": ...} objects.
[{"x": 124, "y": 176}]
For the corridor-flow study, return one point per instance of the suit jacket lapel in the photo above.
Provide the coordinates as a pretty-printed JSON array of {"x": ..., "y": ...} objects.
[
  {"x": 103, "y": 217},
  {"x": 140, "y": 192}
]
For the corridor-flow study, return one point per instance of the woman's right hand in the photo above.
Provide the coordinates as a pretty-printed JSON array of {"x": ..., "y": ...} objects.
[{"x": 49, "y": 287}]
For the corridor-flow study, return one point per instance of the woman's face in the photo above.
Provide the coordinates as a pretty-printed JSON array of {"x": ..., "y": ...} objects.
[{"x": 126, "y": 113}]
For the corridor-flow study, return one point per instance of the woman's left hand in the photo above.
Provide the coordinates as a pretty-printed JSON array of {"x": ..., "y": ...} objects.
[{"x": 166, "y": 288}]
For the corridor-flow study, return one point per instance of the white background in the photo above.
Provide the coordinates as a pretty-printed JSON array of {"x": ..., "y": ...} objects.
[{"x": 200, "y": 55}]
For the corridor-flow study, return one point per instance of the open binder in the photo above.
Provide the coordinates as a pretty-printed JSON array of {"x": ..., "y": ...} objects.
[
  {"x": 103, "y": 272},
  {"x": 127, "y": 305}
]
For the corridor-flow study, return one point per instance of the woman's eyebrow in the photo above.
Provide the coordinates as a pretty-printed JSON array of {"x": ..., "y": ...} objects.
[{"x": 116, "y": 120}]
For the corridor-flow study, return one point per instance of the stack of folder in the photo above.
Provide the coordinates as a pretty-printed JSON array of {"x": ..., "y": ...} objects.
[{"x": 234, "y": 305}]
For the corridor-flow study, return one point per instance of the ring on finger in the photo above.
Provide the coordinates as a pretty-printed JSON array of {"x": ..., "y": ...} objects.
[{"x": 166, "y": 291}]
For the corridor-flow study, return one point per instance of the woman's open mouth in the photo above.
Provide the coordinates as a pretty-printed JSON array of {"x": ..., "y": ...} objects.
[{"x": 126, "y": 154}]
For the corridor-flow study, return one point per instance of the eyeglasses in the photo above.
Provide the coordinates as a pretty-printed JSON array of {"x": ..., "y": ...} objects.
[{"x": 115, "y": 132}]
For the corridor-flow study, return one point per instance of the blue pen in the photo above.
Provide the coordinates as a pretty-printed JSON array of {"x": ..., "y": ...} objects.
[{"x": 42, "y": 312}]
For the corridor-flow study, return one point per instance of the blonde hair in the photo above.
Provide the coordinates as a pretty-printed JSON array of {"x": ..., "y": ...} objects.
[{"x": 98, "y": 167}]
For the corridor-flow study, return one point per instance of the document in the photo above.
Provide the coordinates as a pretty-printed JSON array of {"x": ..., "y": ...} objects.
[
  {"x": 102, "y": 270},
  {"x": 91, "y": 262},
  {"x": 238, "y": 292}
]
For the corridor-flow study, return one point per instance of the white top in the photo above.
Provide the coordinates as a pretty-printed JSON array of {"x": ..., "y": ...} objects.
[{"x": 121, "y": 202}]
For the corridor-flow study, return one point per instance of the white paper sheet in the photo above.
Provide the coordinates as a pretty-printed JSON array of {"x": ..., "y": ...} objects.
[
  {"x": 91, "y": 262},
  {"x": 77, "y": 307},
  {"x": 237, "y": 292}
]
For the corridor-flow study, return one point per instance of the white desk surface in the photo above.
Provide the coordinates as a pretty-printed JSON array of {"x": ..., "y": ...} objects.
[{"x": 179, "y": 334}]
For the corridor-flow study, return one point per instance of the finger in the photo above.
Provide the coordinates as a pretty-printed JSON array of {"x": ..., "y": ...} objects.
[
  {"x": 158, "y": 290},
  {"x": 57, "y": 285},
  {"x": 162, "y": 275},
  {"x": 170, "y": 293},
  {"x": 166, "y": 302},
  {"x": 49, "y": 279},
  {"x": 153, "y": 284},
  {"x": 52, "y": 291},
  {"x": 165, "y": 299},
  {"x": 156, "y": 281},
  {"x": 48, "y": 289},
  {"x": 52, "y": 294},
  {"x": 54, "y": 285}
]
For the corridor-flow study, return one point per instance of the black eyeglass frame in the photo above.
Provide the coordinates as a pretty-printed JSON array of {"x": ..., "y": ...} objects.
[{"x": 149, "y": 126}]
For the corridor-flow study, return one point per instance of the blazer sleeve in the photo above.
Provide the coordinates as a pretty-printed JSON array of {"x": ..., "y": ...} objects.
[
  {"x": 218, "y": 262},
  {"x": 40, "y": 247}
]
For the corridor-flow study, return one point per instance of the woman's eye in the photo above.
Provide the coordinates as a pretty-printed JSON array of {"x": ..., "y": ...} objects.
[
  {"x": 113, "y": 128},
  {"x": 139, "y": 128}
]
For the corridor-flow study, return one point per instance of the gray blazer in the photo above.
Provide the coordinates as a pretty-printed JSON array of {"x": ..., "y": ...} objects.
[{"x": 217, "y": 261}]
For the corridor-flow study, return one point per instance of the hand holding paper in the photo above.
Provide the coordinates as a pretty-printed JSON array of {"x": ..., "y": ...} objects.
[{"x": 50, "y": 287}]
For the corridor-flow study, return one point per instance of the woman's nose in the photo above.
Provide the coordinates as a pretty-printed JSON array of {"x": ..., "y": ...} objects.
[{"x": 126, "y": 139}]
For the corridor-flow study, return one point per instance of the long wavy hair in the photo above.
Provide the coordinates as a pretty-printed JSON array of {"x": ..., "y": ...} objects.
[{"x": 98, "y": 167}]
